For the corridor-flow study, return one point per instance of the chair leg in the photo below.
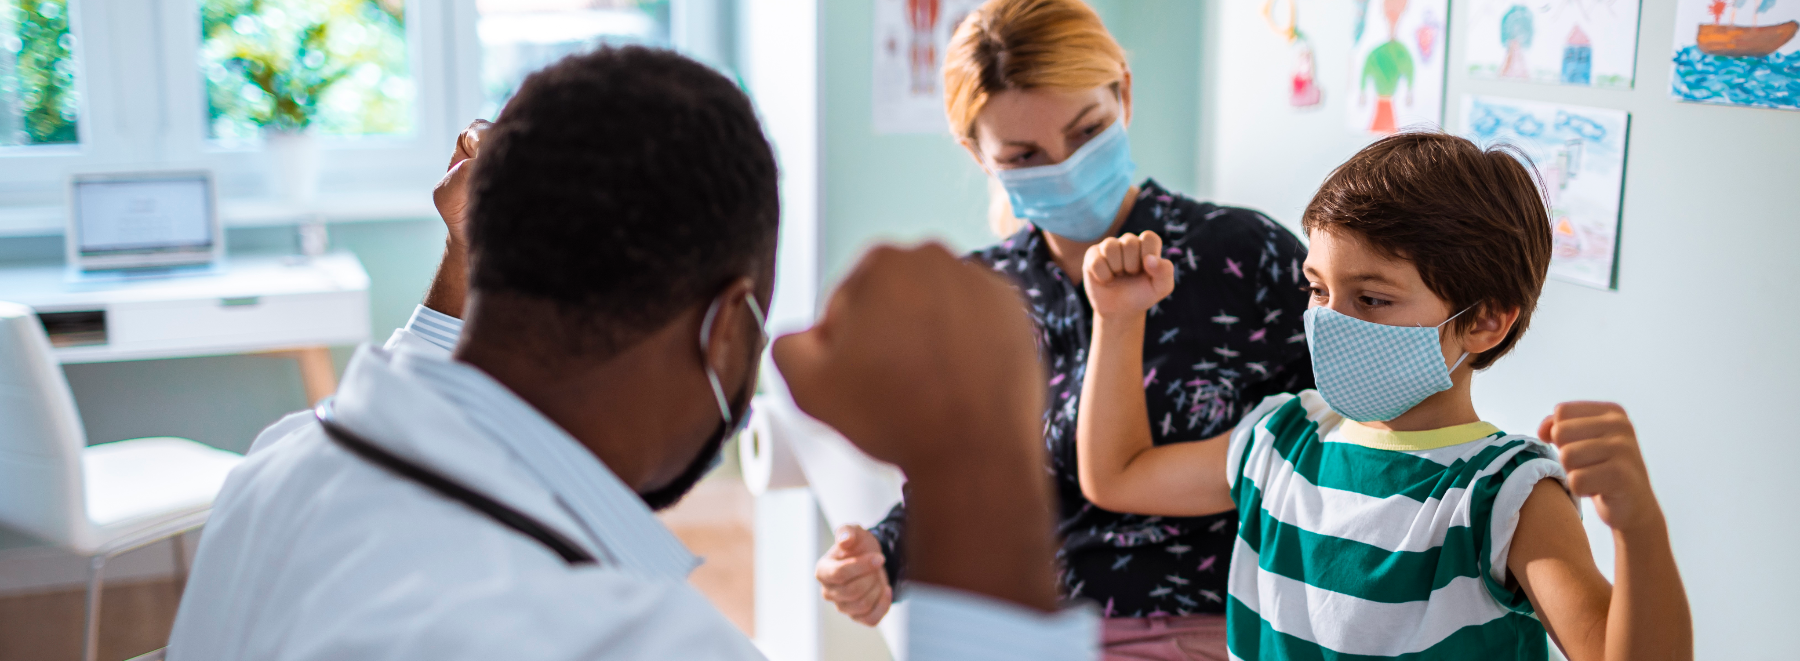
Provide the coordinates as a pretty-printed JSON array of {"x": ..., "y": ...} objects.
[{"x": 90, "y": 644}]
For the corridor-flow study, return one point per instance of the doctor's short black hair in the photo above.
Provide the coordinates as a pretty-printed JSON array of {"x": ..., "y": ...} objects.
[{"x": 623, "y": 186}]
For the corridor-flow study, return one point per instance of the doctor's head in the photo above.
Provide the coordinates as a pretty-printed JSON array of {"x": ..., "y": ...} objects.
[
  {"x": 1029, "y": 82},
  {"x": 623, "y": 218}
]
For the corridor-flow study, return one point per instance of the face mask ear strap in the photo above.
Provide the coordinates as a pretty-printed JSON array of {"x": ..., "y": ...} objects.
[
  {"x": 712, "y": 377},
  {"x": 1454, "y": 316},
  {"x": 1465, "y": 354}
]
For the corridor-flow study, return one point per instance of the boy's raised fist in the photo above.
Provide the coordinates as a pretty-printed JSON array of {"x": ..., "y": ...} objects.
[
  {"x": 1600, "y": 451},
  {"x": 1127, "y": 275}
]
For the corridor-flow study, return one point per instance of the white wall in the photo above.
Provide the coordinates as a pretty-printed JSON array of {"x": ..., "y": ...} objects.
[{"x": 1699, "y": 341}]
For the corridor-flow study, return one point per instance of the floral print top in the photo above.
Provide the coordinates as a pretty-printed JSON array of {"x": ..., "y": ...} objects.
[{"x": 1229, "y": 335}]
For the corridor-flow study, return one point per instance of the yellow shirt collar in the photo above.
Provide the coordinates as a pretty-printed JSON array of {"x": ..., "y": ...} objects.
[{"x": 1415, "y": 441}]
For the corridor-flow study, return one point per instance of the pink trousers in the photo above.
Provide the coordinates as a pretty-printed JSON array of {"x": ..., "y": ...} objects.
[{"x": 1183, "y": 638}]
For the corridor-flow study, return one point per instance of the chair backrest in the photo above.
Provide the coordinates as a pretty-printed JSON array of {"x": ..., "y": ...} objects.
[{"x": 41, "y": 437}]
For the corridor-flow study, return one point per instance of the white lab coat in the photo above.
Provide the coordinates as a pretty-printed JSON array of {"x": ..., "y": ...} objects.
[{"x": 314, "y": 553}]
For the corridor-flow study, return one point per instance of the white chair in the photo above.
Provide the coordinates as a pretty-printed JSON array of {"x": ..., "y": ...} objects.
[{"x": 98, "y": 501}]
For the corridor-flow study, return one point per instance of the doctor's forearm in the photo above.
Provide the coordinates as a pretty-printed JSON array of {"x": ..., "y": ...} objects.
[
  {"x": 450, "y": 287},
  {"x": 983, "y": 523}
]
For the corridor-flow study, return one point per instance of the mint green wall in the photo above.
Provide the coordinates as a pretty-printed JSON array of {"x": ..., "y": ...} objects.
[{"x": 909, "y": 187}]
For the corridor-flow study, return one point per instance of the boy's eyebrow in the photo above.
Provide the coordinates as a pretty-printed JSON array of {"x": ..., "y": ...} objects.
[{"x": 1371, "y": 277}]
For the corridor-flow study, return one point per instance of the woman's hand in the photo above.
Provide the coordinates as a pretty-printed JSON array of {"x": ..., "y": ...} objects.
[
  {"x": 1127, "y": 275},
  {"x": 853, "y": 576}
]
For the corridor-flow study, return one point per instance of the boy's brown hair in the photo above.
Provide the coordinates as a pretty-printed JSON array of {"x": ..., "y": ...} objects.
[{"x": 1472, "y": 221}]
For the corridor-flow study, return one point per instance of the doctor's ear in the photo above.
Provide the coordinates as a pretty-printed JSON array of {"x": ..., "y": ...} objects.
[{"x": 734, "y": 329}]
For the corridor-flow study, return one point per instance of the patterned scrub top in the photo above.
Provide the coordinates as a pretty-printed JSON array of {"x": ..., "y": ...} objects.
[{"x": 1229, "y": 335}]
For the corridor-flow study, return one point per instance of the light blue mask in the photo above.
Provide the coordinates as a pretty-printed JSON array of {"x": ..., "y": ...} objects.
[
  {"x": 1079, "y": 197},
  {"x": 1368, "y": 372}
]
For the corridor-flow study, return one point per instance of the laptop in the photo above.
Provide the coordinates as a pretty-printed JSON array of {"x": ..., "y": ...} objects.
[{"x": 145, "y": 223}]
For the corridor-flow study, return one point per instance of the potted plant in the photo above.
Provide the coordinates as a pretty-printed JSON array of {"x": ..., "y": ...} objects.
[{"x": 275, "y": 61}]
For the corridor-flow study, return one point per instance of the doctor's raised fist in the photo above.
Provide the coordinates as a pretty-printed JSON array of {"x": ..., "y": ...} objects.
[
  {"x": 451, "y": 195},
  {"x": 916, "y": 353}
]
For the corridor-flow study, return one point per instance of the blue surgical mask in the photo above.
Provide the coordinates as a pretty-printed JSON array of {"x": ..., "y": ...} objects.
[
  {"x": 1369, "y": 372},
  {"x": 1079, "y": 197}
]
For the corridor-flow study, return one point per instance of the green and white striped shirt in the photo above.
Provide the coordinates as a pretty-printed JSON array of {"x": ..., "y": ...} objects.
[{"x": 1359, "y": 543}]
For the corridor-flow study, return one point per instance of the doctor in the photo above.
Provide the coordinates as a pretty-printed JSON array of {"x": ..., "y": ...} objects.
[{"x": 485, "y": 491}]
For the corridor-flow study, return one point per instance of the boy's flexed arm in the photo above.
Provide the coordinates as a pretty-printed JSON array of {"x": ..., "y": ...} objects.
[
  {"x": 1119, "y": 468},
  {"x": 1645, "y": 615}
]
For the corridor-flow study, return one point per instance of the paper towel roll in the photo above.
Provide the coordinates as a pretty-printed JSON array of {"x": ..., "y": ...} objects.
[
  {"x": 851, "y": 486},
  {"x": 768, "y": 463}
]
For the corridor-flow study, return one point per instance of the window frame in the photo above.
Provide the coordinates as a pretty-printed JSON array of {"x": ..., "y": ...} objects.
[
  {"x": 36, "y": 174},
  {"x": 143, "y": 108}
]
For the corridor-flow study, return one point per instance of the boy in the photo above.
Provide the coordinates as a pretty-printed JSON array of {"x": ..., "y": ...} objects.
[{"x": 1379, "y": 516}]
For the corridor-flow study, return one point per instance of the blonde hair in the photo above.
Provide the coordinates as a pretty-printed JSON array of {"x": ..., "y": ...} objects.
[{"x": 1023, "y": 44}]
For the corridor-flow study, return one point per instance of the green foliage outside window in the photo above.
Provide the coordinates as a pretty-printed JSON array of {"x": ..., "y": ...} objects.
[
  {"x": 336, "y": 66},
  {"x": 37, "y": 74}
]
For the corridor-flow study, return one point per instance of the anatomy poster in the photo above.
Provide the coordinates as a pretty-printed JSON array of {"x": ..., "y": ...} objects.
[
  {"x": 910, "y": 36},
  {"x": 1397, "y": 64},
  {"x": 1568, "y": 42},
  {"x": 1579, "y": 153},
  {"x": 1737, "y": 52}
]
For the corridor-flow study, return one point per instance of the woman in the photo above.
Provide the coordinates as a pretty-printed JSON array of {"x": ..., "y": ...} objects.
[{"x": 1039, "y": 94}]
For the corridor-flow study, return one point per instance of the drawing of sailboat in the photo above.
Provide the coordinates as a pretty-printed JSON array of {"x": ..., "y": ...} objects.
[{"x": 1743, "y": 41}]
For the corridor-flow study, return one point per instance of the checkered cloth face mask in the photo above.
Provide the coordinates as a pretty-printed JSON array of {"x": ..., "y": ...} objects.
[{"x": 1368, "y": 372}]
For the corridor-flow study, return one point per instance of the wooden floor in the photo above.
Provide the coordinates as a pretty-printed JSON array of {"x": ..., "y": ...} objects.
[{"x": 715, "y": 522}]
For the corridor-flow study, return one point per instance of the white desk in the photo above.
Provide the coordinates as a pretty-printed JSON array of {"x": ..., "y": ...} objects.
[{"x": 258, "y": 304}]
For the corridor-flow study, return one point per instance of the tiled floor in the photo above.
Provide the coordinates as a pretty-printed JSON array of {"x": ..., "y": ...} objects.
[{"x": 715, "y": 521}]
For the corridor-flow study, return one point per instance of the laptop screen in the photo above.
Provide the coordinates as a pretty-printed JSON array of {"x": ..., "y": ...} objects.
[{"x": 142, "y": 216}]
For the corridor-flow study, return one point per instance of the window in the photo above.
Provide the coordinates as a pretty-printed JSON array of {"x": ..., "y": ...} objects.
[
  {"x": 339, "y": 67},
  {"x": 128, "y": 85},
  {"x": 521, "y": 36},
  {"x": 39, "y": 102}
]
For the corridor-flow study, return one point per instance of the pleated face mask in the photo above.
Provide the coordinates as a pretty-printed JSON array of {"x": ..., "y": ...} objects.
[
  {"x": 1078, "y": 198},
  {"x": 1369, "y": 372}
]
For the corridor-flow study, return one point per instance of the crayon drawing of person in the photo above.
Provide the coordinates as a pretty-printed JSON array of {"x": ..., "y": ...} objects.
[{"x": 1386, "y": 67}]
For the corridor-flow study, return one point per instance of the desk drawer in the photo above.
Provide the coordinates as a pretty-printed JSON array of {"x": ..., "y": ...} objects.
[{"x": 239, "y": 324}]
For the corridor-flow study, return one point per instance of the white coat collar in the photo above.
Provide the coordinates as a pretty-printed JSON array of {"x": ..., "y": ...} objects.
[{"x": 454, "y": 418}]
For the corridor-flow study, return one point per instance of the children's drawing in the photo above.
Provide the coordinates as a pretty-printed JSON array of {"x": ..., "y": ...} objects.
[
  {"x": 1737, "y": 53},
  {"x": 1579, "y": 154},
  {"x": 1396, "y": 70},
  {"x": 1569, "y": 42},
  {"x": 1305, "y": 84},
  {"x": 910, "y": 36}
]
